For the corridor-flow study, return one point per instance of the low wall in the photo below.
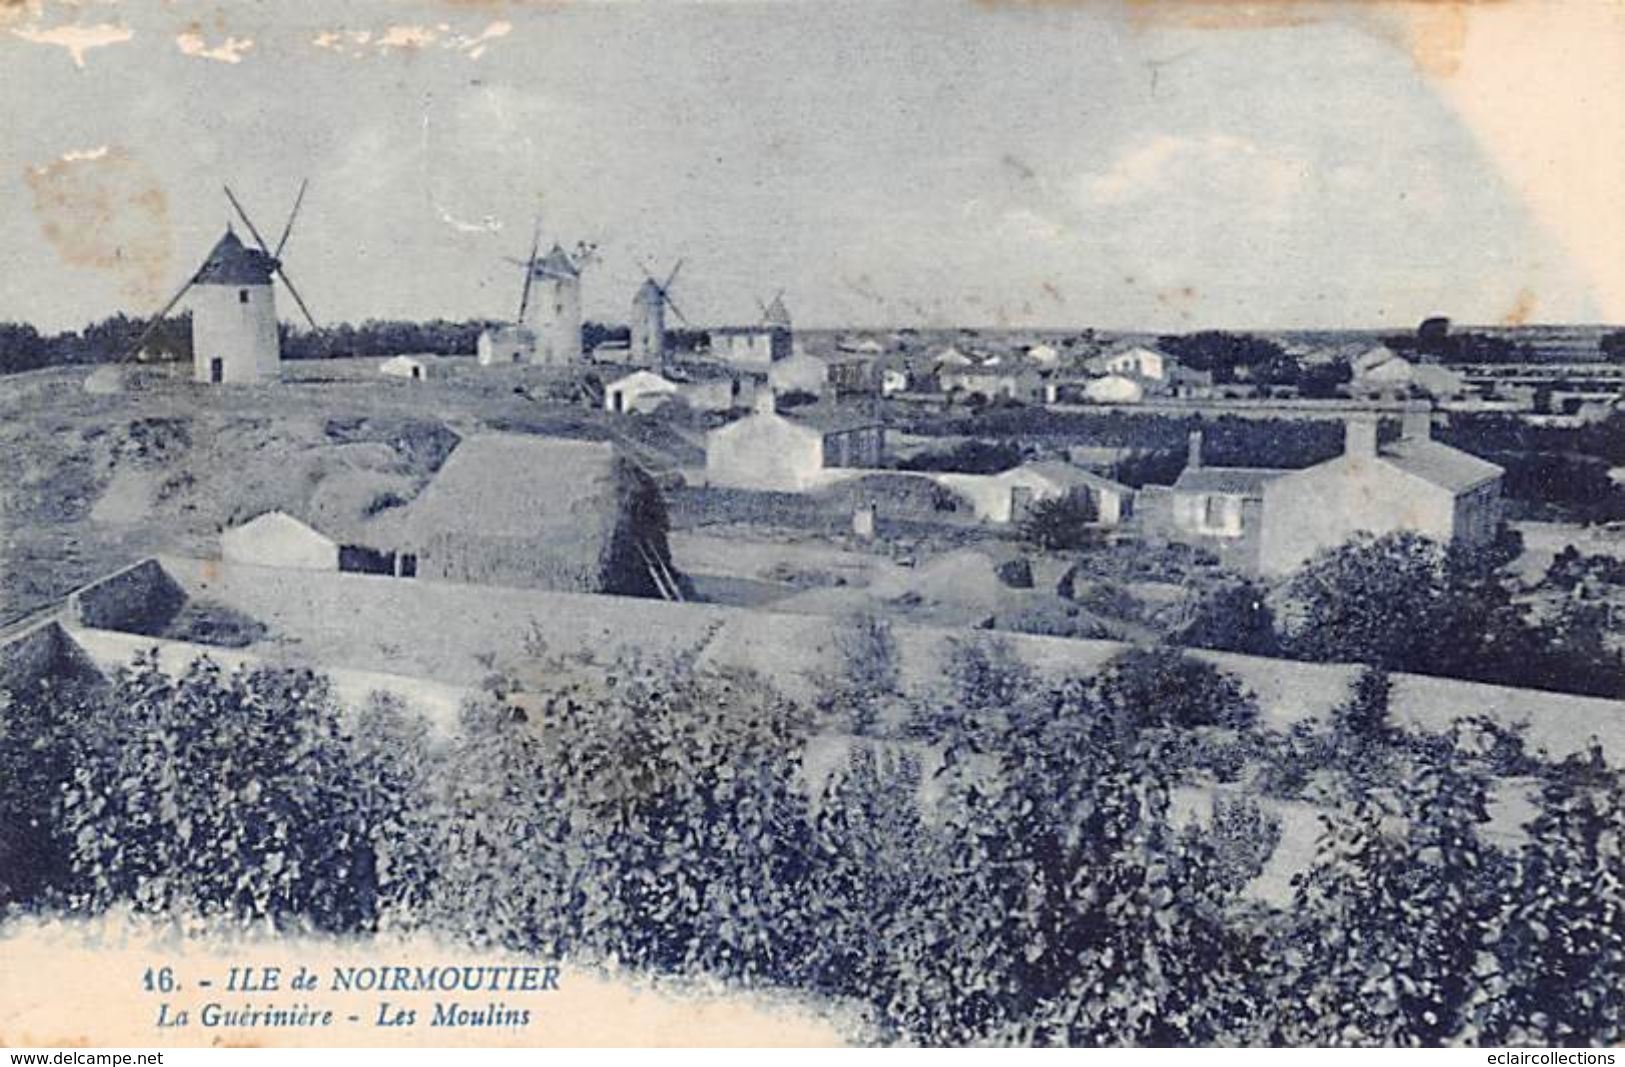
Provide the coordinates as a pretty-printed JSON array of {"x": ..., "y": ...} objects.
[
  {"x": 370, "y": 627},
  {"x": 109, "y": 651},
  {"x": 39, "y": 652},
  {"x": 141, "y": 599}
]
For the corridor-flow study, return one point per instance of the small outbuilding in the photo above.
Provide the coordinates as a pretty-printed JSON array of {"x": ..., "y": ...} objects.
[
  {"x": 1008, "y": 496},
  {"x": 503, "y": 345},
  {"x": 277, "y": 539},
  {"x": 415, "y": 368},
  {"x": 640, "y": 391}
]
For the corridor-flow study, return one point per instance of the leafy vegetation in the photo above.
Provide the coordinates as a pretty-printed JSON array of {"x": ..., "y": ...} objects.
[
  {"x": 1061, "y": 522},
  {"x": 1403, "y": 602},
  {"x": 1001, "y": 864},
  {"x": 22, "y": 347}
]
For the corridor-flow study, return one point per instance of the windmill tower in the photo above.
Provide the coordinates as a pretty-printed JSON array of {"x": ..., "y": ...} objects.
[
  {"x": 648, "y": 348},
  {"x": 551, "y": 304},
  {"x": 775, "y": 314},
  {"x": 776, "y": 321},
  {"x": 234, "y": 326}
]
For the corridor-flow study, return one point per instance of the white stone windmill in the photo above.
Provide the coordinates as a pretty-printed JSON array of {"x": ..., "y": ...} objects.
[
  {"x": 648, "y": 346},
  {"x": 550, "y": 306},
  {"x": 234, "y": 326}
]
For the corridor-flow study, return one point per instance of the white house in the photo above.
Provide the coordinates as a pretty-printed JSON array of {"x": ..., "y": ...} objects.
[
  {"x": 1413, "y": 483},
  {"x": 992, "y": 383},
  {"x": 1044, "y": 356},
  {"x": 790, "y": 453},
  {"x": 501, "y": 345},
  {"x": 1139, "y": 360},
  {"x": 801, "y": 373},
  {"x": 1007, "y": 497},
  {"x": 276, "y": 539},
  {"x": 751, "y": 346},
  {"x": 893, "y": 380},
  {"x": 1114, "y": 389},
  {"x": 640, "y": 391},
  {"x": 415, "y": 368},
  {"x": 1398, "y": 375}
]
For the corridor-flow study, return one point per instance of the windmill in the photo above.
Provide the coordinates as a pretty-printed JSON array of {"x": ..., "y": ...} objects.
[
  {"x": 648, "y": 347},
  {"x": 774, "y": 313},
  {"x": 550, "y": 303},
  {"x": 234, "y": 325}
]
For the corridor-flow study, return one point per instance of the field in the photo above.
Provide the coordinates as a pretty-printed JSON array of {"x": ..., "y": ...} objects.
[{"x": 98, "y": 480}]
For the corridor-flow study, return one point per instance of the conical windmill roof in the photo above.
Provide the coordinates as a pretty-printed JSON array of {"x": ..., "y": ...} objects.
[
  {"x": 649, "y": 293},
  {"x": 557, "y": 263},
  {"x": 233, "y": 263},
  {"x": 777, "y": 314}
]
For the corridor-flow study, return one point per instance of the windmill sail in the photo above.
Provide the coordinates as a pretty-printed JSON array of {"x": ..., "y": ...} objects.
[{"x": 276, "y": 264}]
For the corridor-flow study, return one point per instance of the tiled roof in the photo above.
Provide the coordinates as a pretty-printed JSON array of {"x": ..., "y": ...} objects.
[
  {"x": 1235, "y": 481},
  {"x": 1061, "y": 473},
  {"x": 832, "y": 419},
  {"x": 1432, "y": 461}
]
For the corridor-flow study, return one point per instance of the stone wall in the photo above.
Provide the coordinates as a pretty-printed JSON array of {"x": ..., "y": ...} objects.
[
  {"x": 447, "y": 635},
  {"x": 140, "y": 599},
  {"x": 42, "y": 652}
]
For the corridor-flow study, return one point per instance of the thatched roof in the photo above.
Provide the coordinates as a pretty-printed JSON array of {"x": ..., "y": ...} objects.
[{"x": 541, "y": 512}]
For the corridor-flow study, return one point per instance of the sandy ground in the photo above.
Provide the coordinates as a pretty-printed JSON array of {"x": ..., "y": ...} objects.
[
  {"x": 1542, "y": 541},
  {"x": 101, "y": 478}
]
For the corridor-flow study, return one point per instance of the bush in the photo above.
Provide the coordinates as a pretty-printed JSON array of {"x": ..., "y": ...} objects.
[
  {"x": 1234, "y": 617},
  {"x": 220, "y": 795},
  {"x": 1004, "y": 873},
  {"x": 967, "y": 457},
  {"x": 1164, "y": 687},
  {"x": 1061, "y": 523}
]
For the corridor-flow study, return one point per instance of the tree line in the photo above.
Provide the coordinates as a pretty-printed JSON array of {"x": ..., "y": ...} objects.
[
  {"x": 117, "y": 337},
  {"x": 658, "y": 814}
]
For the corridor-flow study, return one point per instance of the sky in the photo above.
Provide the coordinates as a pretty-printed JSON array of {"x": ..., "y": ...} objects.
[{"x": 1125, "y": 166}]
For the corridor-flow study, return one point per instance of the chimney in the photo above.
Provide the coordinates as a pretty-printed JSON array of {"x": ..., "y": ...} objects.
[
  {"x": 766, "y": 401},
  {"x": 1193, "y": 451},
  {"x": 1360, "y": 436},
  {"x": 1417, "y": 424}
]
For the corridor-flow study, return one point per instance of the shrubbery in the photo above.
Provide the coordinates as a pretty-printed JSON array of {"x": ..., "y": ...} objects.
[
  {"x": 1403, "y": 602},
  {"x": 660, "y": 816}
]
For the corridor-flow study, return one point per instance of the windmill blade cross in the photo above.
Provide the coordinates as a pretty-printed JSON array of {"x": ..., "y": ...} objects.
[
  {"x": 297, "y": 299},
  {"x": 530, "y": 268},
  {"x": 672, "y": 276},
  {"x": 675, "y": 309},
  {"x": 246, "y": 220},
  {"x": 286, "y": 230},
  {"x": 157, "y": 320}
]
